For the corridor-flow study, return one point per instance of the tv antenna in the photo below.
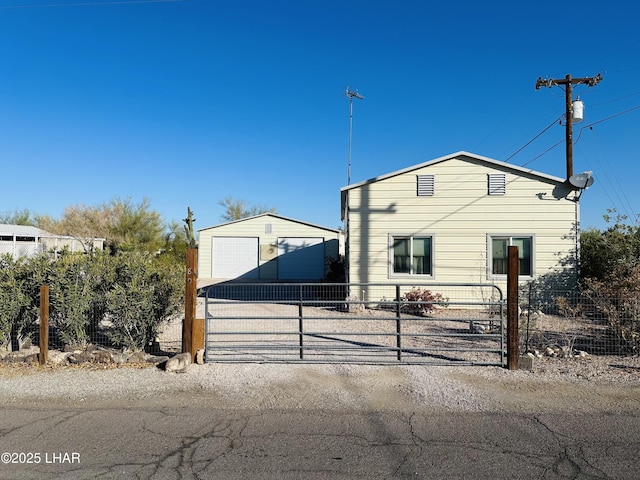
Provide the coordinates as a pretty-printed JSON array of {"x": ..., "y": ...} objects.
[{"x": 351, "y": 94}]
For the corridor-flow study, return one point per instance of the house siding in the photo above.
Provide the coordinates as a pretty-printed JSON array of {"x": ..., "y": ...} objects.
[
  {"x": 256, "y": 227},
  {"x": 459, "y": 217}
]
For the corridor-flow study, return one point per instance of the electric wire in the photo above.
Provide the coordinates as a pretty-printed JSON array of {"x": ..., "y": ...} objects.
[
  {"x": 624, "y": 203},
  {"x": 533, "y": 139},
  {"x": 605, "y": 119}
]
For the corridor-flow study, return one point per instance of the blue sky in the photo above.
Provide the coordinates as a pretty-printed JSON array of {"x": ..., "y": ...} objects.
[{"x": 188, "y": 102}]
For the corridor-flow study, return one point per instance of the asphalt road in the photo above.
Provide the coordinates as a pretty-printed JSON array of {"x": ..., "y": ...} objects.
[{"x": 204, "y": 442}]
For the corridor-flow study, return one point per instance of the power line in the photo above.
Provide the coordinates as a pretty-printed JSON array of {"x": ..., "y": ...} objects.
[
  {"x": 611, "y": 183},
  {"x": 532, "y": 140},
  {"x": 607, "y": 118},
  {"x": 558, "y": 143}
]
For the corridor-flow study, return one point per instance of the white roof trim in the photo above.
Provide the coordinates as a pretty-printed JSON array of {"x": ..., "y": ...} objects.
[
  {"x": 34, "y": 232},
  {"x": 461, "y": 153},
  {"x": 333, "y": 230}
]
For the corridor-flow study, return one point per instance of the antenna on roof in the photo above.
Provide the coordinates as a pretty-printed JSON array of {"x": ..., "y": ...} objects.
[{"x": 351, "y": 94}]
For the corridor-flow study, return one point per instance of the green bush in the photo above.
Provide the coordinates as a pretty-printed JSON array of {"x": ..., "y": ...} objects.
[
  {"x": 126, "y": 297},
  {"x": 13, "y": 300},
  {"x": 70, "y": 298},
  {"x": 146, "y": 293},
  {"x": 20, "y": 281}
]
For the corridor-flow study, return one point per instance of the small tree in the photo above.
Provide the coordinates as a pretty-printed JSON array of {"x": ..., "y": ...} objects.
[
  {"x": 18, "y": 217},
  {"x": 235, "y": 209}
]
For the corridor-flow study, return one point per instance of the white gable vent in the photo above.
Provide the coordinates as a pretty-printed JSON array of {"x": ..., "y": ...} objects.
[
  {"x": 497, "y": 184},
  {"x": 426, "y": 186}
]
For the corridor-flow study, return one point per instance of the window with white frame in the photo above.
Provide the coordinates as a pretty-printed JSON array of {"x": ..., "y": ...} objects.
[
  {"x": 499, "y": 252},
  {"x": 411, "y": 255}
]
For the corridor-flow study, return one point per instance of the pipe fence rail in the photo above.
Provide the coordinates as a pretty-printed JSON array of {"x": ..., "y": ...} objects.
[{"x": 461, "y": 324}]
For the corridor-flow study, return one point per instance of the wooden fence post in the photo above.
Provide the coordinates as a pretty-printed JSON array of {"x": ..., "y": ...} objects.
[
  {"x": 44, "y": 324},
  {"x": 513, "y": 340}
]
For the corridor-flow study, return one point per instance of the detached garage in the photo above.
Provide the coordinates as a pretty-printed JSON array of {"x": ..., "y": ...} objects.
[{"x": 266, "y": 247}]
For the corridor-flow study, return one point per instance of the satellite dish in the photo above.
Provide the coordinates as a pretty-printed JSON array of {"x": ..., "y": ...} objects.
[{"x": 581, "y": 180}]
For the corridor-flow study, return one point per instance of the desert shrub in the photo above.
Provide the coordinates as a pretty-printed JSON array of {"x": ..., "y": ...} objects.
[
  {"x": 617, "y": 296},
  {"x": 422, "y": 301},
  {"x": 70, "y": 298},
  {"x": 144, "y": 296},
  {"x": 602, "y": 251},
  {"x": 13, "y": 300},
  {"x": 20, "y": 281}
]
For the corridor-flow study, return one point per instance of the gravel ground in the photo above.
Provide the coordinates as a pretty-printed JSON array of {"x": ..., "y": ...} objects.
[
  {"x": 580, "y": 384},
  {"x": 575, "y": 384}
]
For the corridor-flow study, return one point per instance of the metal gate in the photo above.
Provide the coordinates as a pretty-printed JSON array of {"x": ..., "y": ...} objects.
[{"x": 443, "y": 324}]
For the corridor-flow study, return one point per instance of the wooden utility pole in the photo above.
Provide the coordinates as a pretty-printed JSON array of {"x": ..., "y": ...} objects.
[
  {"x": 513, "y": 338},
  {"x": 191, "y": 281},
  {"x": 569, "y": 82}
]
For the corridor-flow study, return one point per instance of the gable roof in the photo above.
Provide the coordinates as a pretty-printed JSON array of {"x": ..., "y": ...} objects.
[
  {"x": 461, "y": 154},
  {"x": 486, "y": 160},
  {"x": 273, "y": 215}
]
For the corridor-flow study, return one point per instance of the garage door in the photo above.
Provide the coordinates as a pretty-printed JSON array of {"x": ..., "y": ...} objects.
[
  {"x": 300, "y": 258},
  {"x": 235, "y": 257}
]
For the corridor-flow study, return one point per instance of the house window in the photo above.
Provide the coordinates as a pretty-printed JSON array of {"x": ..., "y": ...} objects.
[
  {"x": 411, "y": 255},
  {"x": 498, "y": 253},
  {"x": 426, "y": 185},
  {"x": 497, "y": 184}
]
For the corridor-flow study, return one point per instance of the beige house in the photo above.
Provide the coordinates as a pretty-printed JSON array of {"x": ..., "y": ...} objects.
[
  {"x": 451, "y": 220},
  {"x": 266, "y": 247}
]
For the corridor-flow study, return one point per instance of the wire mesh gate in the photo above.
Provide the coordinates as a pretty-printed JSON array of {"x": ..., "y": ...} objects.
[{"x": 440, "y": 324}]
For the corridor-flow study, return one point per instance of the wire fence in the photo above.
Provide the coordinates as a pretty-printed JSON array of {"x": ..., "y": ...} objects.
[
  {"x": 570, "y": 322},
  {"x": 551, "y": 322}
]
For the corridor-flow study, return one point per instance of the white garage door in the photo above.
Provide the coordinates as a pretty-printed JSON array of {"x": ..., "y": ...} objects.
[
  {"x": 300, "y": 258},
  {"x": 235, "y": 257}
]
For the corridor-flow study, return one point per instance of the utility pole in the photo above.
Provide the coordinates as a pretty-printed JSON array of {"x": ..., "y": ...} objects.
[
  {"x": 569, "y": 82},
  {"x": 351, "y": 94}
]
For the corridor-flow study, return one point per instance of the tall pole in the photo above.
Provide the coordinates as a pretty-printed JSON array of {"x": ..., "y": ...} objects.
[
  {"x": 351, "y": 94},
  {"x": 568, "y": 102},
  {"x": 569, "y": 82}
]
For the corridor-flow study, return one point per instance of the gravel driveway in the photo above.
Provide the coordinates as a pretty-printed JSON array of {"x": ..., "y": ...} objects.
[{"x": 576, "y": 384}]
